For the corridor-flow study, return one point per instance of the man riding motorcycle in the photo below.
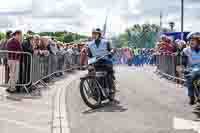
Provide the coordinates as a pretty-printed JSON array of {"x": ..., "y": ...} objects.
[
  {"x": 192, "y": 54},
  {"x": 99, "y": 47}
]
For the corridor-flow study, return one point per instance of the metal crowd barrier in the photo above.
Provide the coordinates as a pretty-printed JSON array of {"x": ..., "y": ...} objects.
[
  {"x": 170, "y": 65},
  {"x": 52, "y": 65},
  {"x": 27, "y": 70},
  {"x": 15, "y": 69}
]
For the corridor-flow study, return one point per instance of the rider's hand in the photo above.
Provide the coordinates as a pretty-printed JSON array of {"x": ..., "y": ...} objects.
[{"x": 112, "y": 51}]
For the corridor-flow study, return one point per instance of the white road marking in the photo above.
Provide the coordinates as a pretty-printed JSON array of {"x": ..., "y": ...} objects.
[
  {"x": 182, "y": 124},
  {"x": 26, "y": 125},
  {"x": 20, "y": 109},
  {"x": 60, "y": 120}
]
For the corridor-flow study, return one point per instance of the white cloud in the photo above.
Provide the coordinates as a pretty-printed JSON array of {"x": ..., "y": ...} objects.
[
  {"x": 83, "y": 15},
  {"x": 15, "y": 5}
]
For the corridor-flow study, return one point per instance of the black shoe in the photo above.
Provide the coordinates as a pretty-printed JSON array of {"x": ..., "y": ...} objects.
[
  {"x": 114, "y": 77},
  {"x": 192, "y": 100},
  {"x": 9, "y": 91},
  {"x": 198, "y": 101}
]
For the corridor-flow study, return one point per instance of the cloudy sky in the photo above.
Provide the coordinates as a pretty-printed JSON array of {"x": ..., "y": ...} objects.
[{"x": 82, "y": 15}]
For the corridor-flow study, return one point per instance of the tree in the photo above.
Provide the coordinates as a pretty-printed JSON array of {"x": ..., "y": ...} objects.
[
  {"x": 120, "y": 41},
  {"x": 59, "y": 34},
  {"x": 68, "y": 38},
  {"x": 64, "y": 36},
  {"x": 2, "y": 35},
  {"x": 138, "y": 35},
  {"x": 45, "y": 33}
]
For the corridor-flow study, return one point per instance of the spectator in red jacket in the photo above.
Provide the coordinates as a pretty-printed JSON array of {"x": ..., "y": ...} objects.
[
  {"x": 169, "y": 46},
  {"x": 14, "y": 46},
  {"x": 3, "y": 56},
  {"x": 165, "y": 45}
]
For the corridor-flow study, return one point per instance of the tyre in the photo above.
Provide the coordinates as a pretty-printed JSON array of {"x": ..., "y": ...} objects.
[
  {"x": 196, "y": 86},
  {"x": 90, "y": 89},
  {"x": 113, "y": 91}
]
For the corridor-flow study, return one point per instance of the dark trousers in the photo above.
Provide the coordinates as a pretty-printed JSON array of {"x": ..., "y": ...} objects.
[
  {"x": 25, "y": 71},
  {"x": 106, "y": 65},
  {"x": 189, "y": 83},
  {"x": 7, "y": 71}
]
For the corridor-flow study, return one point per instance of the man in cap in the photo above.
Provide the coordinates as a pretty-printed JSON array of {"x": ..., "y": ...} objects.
[
  {"x": 99, "y": 47},
  {"x": 3, "y": 59},
  {"x": 14, "y": 45}
]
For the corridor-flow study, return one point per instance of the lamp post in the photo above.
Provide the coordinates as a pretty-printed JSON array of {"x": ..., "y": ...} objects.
[{"x": 182, "y": 19}]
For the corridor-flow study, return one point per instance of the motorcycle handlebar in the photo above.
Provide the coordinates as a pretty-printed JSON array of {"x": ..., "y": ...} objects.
[{"x": 98, "y": 58}]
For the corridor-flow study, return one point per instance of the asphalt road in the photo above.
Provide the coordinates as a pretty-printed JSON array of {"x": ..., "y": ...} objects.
[{"x": 148, "y": 104}]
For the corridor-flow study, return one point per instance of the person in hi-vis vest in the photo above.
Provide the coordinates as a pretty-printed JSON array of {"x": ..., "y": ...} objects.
[
  {"x": 192, "y": 60},
  {"x": 99, "y": 47}
]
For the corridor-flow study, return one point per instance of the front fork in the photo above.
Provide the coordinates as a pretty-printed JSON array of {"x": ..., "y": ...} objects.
[{"x": 101, "y": 85}]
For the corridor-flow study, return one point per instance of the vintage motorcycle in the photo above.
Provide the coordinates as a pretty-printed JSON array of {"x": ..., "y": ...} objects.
[{"x": 98, "y": 85}]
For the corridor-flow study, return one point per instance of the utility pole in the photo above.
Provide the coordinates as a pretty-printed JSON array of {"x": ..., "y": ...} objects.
[
  {"x": 161, "y": 17},
  {"x": 182, "y": 19}
]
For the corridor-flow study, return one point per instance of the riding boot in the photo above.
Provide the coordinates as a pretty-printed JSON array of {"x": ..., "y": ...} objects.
[
  {"x": 113, "y": 77},
  {"x": 192, "y": 100}
]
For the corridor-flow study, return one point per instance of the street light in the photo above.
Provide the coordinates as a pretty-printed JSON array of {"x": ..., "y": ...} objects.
[{"x": 182, "y": 19}]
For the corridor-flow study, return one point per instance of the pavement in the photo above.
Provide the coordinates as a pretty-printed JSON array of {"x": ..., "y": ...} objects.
[
  {"x": 21, "y": 113},
  {"x": 147, "y": 104},
  {"x": 25, "y": 115}
]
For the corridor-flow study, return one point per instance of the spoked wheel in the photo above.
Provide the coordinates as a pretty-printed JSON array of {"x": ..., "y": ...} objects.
[
  {"x": 112, "y": 94},
  {"x": 90, "y": 93},
  {"x": 196, "y": 86},
  {"x": 113, "y": 90}
]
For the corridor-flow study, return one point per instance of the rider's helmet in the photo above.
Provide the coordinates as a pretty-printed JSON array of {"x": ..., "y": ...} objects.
[
  {"x": 194, "y": 39},
  {"x": 97, "y": 30},
  {"x": 193, "y": 35}
]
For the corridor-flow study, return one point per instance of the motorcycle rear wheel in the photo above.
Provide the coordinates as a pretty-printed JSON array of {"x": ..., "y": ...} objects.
[{"x": 113, "y": 91}]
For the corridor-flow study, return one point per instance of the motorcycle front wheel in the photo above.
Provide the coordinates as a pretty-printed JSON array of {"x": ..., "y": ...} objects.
[
  {"x": 113, "y": 89},
  {"x": 90, "y": 93}
]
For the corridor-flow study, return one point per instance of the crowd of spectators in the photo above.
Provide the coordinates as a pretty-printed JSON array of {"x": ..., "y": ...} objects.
[
  {"x": 136, "y": 56},
  {"x": 35, "y": 45},
  {"x": 173, "y": 55},
  {"x": 45, "y": 46},
  {"x": 166, "y": 45}
]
